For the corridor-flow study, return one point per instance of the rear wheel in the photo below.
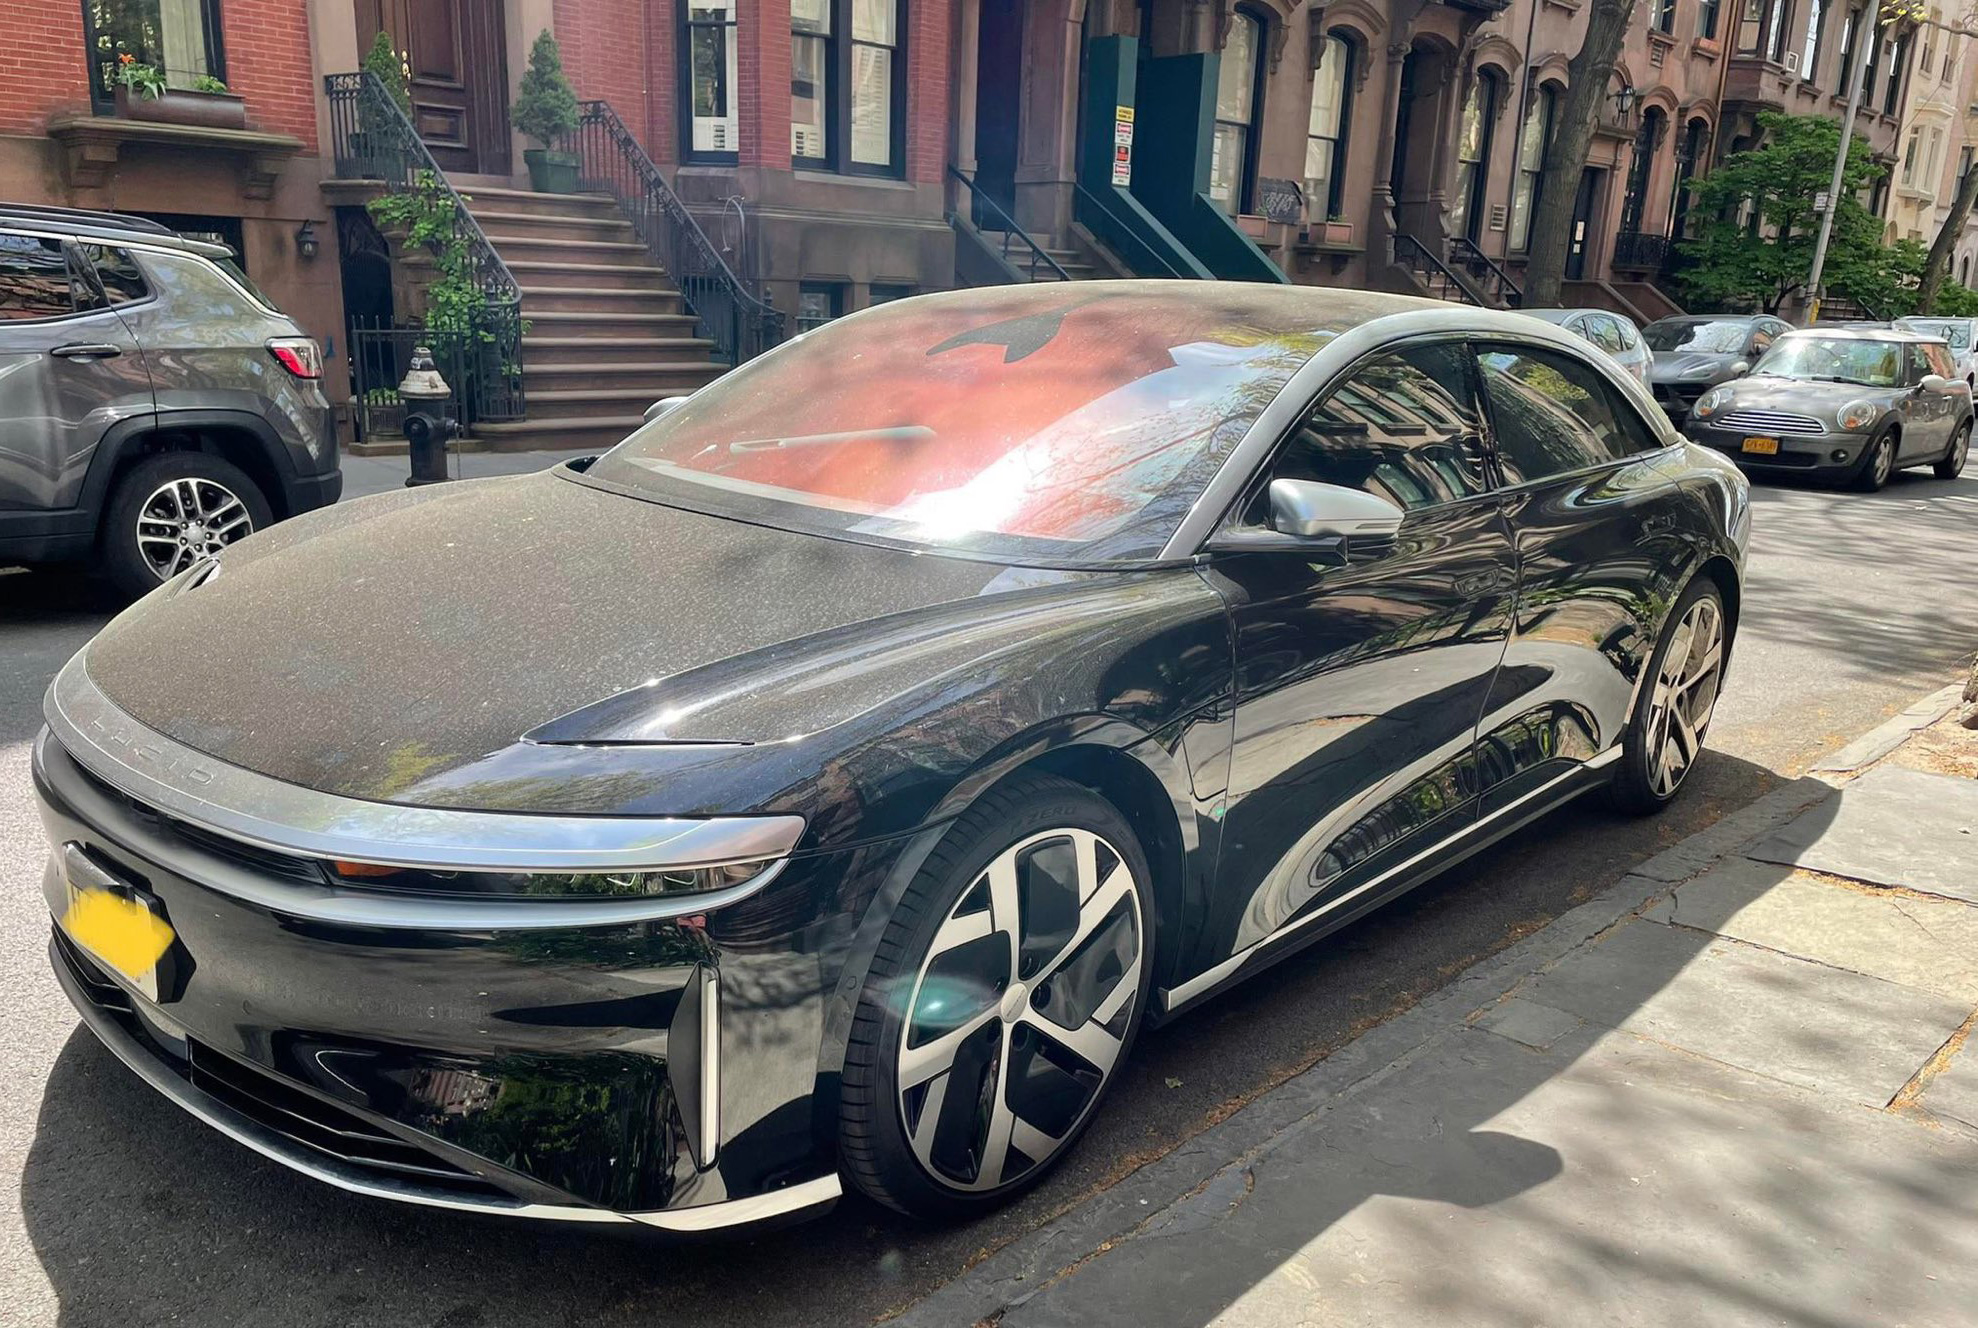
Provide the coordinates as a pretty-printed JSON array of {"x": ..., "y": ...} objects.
[
  {"x": 172, "y": 510},
  {"x": 1672, "y": 712},
  {"x": 1878, "y": 465},
  {"x": 1953, "y": 463},
  {"x": 1005, "y": 993}
]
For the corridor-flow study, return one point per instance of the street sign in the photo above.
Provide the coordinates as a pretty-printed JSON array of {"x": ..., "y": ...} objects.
[{"x": 1820, "y": 201}]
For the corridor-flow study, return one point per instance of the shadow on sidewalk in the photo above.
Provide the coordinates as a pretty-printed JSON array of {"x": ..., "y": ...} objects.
[{"x": 137, "y": 1214}]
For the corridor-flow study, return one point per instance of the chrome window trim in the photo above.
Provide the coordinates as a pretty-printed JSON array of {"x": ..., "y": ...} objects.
[
  {"x": 257, "y": 809},
  {"x": 1338, "y": 356}
]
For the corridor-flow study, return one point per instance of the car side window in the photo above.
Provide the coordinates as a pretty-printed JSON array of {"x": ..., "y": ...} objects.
[
  {"x": 1940, "y": 360},
  {"x": 1914, "y": 364},
  {"x": 122, "y": 279},
  {"x": 1403, "y": 427},
  {"x": 1552, "y": 414},
  {"x": 1626, "y": 331},
  {"x": 1761, "y": 340},
  {"x": 34, "y": 278},
  {"x": 1608, "y": 334}
]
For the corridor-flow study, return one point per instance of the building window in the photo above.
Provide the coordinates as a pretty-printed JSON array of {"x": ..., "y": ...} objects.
[
  {"x": 1909, "y": 158},
  {"x": 818, "y": 302},
  {"x": 1233, "y": 152},
  {"x": 181, "y": 37},
  {"x": 1929, "y": 55},
  {"x": 1326, "y": 129},
  {"x": 887, "y": 292},
  {"x": 848, "y": 85},
  {"x": 1647, "y": 142},
  {"x": 1689, "y": 157},
  {"x": 1751, "y": 26},
  {"x": 1706, "y": 19},
  {"x": 1533, "y": 137},
  {"x": 707, "y": 80},
  {"x": 1775, "y": 31},
  {"x": 1662, "y": 15},
  {"x": 1892, "y": 87},
  {"x": 1874, "y": 59},
  {"x": 1809, "y": 53},
  {"x": 1473, "y": 136}
]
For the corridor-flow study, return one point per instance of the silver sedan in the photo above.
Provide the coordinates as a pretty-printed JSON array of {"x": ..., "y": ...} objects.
[{"x": 1614, "y": 333}]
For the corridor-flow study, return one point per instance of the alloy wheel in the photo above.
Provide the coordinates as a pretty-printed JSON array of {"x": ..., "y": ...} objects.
[
  {"x": 1685, "y": 696},
  {"x": 187, "y": 519},
  {"x": 1020, "y": 1010},
  {"x": 1884, "y": 461},
  {"x": 1960, "y": 447}
]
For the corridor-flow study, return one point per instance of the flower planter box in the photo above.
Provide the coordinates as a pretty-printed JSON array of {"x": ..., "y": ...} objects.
[
  {"x": 552, "y": 172},
  {"x": 207, "y": 110},
  {"x": 1336, "y": 232}
]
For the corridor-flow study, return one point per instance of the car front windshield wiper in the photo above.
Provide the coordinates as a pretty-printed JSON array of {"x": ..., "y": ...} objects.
[{"x": 905, "y": 433}]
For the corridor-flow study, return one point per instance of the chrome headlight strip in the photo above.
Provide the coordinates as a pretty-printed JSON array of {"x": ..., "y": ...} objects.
[{"x": 274, "y": 814}]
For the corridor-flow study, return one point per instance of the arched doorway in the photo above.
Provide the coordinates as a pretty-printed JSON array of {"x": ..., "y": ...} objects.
[
  {"x": 998, "y": 103},
  {"x": 1421, "y": 155}
]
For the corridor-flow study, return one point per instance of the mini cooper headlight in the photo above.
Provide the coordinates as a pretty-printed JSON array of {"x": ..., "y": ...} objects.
[
  {"x": 1713, "y": 401},
  {"x": 1857, "y": 415},
  {"x": 560, "y": 885}
]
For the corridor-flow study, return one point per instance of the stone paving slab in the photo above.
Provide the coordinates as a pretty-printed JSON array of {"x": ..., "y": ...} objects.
[
  {"x": 1892, "y": 826},
  {"x": 1953, "y": 1094},
  {"x": 1919, "y": 941},
  {"x": 1805, "y": 1023},
  {"x": 1609, "y": 1181}
]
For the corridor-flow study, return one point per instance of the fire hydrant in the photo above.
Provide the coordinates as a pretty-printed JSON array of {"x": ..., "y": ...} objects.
[{"x": 427, "y": 426}]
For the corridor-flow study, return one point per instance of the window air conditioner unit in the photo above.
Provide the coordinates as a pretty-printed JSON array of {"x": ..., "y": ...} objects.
[
  {"x": 720, "y": 137},
  {"x": 1792, "y": 67},
  {"x": 808, "y": 143}
]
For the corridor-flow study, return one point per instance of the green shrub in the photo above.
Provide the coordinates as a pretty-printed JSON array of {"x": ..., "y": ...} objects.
[
  {"x": 545, "y": 108},
  {"x": 390, "y": 68}
]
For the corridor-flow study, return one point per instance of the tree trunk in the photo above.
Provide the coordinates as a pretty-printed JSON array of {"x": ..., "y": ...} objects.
[
  {"x": 1938, "y": 265},
  {"x": 1566, "y": 156}
]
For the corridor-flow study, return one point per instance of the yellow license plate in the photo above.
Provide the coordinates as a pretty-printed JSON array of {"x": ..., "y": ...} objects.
[
  {"x": 1762, "y": 446},
  {"x": 123, "y": 933}
]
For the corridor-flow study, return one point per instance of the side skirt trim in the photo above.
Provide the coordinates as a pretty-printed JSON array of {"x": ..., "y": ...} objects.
[{"x": 1501, "y": 821}]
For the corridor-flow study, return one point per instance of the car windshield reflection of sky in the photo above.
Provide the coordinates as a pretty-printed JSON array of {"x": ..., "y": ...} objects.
[{"x": 933, "y": 421}]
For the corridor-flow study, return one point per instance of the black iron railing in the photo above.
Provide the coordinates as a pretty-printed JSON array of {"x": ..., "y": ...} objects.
[
  {"x": 1143, "y": 258},
  {"x": 1030, "y": 259},
  {"x": 372, "y": 139},
  {"x": 1639, "y": 251},
  {"x": 740, "y": 324},
  {"x": 1491, "y": 279},
  {"x": 1438, "y": 280}
]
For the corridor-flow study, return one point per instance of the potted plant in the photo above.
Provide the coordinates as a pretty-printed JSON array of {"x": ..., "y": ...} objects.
[
  {"x": 1338, "y": 230},
  {"x": 142, "y": 94},
  {"x": 371, "y": 141},
  {"x": 545, "y": 112}
]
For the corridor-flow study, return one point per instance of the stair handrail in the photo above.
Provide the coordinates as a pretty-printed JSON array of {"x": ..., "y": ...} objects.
[
  {"x": 373, "y": 138},
  {"x": 1412, "y": 254},
  {"x": 741, "y": 324},
  {"x": 1466, "y": 251},
  {"x": 1099, "y": 205},
  {"x": 978, "y": 194}
]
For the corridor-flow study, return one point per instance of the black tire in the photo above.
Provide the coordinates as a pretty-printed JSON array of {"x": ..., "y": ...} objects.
[
  {"x": 875, "y": 1151},
  {"x": 122, "y": 558},
  {"x": 1874, "y": 473},
  {"x": 1632, "y": 789},
  {"x": 1953, "y": 463}
]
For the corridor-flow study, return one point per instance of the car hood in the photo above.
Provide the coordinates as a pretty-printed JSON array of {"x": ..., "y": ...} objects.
[
  {"x": 372, "y": 648},
  {"x": 1676, "y": 366},
  {"x": 1801, "y": 396}
]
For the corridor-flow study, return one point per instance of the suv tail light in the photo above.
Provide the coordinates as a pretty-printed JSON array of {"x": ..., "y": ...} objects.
[{"x": 299, "y": 355}]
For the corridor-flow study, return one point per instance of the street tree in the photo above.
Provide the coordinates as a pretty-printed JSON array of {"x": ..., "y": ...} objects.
[
  {"x": 1754, "y": 248},
  {"x": 1587, "y": 76}
]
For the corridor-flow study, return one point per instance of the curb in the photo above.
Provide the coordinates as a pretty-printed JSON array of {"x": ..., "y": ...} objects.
[{"x": 1028, "y": 1264}]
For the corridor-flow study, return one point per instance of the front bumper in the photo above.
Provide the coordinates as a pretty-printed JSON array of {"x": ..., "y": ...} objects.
[
  {"x": 657, "y": 1072},
  {"x": 1804, "y": 454}
]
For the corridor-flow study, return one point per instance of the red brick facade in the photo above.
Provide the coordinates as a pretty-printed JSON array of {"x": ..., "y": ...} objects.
[
  {"x": 929, "y": 41},
  {"x": 267, "y": 45},
  {"x": 605, "y": 53},
  {"x": 41, "y": 64}
]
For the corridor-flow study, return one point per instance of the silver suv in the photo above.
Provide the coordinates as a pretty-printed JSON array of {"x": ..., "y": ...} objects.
[{"x": 154, "y": 406}]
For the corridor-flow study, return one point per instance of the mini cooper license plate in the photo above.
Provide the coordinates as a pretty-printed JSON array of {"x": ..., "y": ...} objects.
[
  {"x": 1762, "y": 446},
  {"x": 119, "y": 926}
]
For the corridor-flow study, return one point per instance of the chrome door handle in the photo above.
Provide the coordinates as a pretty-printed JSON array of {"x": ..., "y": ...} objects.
[{"x": 87, "y": 350}]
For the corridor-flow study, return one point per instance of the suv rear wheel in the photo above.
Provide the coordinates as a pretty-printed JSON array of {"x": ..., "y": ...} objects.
[{"x": 173, "y": 509}]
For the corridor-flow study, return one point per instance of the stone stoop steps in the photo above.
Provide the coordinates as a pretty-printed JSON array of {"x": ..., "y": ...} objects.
[{"x": 608, "y": 332}]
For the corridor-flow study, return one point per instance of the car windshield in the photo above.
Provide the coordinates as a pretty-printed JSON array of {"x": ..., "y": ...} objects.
[
  {"x": 1706, "y": 336},
  {"x": 1834, "y": 360},
  {"x": 1956, "y": 332},
  {"x": 1056, "y": 425}
]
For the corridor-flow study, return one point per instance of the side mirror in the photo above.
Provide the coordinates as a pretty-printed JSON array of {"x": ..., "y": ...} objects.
[
  {"x": 1934, "y": 383},
  {"x": 1741, "y": 368},
  {"x": 1310, "y": 510},
  {"x": 661, "y": 406}
]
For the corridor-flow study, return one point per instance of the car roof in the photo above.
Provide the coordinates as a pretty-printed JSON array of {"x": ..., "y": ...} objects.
[
  {"x": 109, "y": 226},
  {"x": 1561, "y": 314},
  {"x": 1900, "y": 334},
  {"x": 1719, "y": 318}
]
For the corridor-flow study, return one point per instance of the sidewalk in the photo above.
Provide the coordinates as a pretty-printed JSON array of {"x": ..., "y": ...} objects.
[
  {"x": 382, "y": 474},
  {"x": 1733, "y": 1089}
]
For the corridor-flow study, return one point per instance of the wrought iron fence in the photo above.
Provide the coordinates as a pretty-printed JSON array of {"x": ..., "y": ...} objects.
[
  {"x": 1640, "y": 251},
  {"x": 1030, "y": 257},
  {"x": 1494, "y": 281},
  {"x": 372, "y": 139},
  {"x": 380, "y": 353},
  {"x": 741, "y": 325}
]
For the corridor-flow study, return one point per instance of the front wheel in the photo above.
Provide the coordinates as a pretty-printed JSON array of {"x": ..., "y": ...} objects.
[
  {"x": 1672, "y": 712},
  {"x": 1004, "y": 994},
  {"x": 1953, "y": 463},
  {"x": 172, "y": 510},
  {"x": 1878, "y": 465}
]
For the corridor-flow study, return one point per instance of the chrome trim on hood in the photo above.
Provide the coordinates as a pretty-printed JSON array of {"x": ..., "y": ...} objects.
[{"x": 271, "y": 813}]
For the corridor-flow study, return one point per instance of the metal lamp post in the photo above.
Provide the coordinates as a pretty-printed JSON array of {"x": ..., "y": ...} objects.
[{"x": 1863, "y": 42}]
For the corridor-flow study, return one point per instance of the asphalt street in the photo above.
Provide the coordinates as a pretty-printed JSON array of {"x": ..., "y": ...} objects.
[{"x": 115, "y": 1208}]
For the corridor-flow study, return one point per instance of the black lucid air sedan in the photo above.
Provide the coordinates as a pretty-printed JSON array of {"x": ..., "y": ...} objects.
[{"x": 825, "y": 785}]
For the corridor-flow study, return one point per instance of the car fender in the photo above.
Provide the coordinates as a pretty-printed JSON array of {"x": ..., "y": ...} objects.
[{"x": 125, "y": 440}]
